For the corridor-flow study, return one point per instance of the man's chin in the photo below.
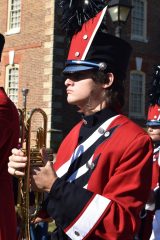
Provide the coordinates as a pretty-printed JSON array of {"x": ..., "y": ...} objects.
[{"x": 71, "y": 102}]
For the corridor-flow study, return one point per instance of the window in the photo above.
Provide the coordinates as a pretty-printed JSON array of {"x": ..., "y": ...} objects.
[
  {"x": 12, "y": 80},
  {"x": 137, "y": 94},
  {"x": 14, "y": 16},
  {"x": 139, "y": 21}
]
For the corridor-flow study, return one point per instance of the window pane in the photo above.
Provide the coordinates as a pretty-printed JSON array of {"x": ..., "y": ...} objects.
[
  {"x": 136, "y": 105},
  {"x": 136, "y": 94},
  {"x": 14, "y": 14},
  {"x": 12, "y": 85},
  {"x": 138, "y": 18}
]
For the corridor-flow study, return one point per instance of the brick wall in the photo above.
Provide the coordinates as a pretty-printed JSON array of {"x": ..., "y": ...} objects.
[{"x": 33, "y": 47}]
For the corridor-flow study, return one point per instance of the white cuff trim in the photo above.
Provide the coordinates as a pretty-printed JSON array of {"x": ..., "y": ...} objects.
[{"x": 89, "y": 218}]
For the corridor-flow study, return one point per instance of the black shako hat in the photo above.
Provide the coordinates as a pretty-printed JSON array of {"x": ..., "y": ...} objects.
[
  {"x": 153, "y": 118},
  {"x": 2, "y": 41},
  {"x": 91, "y": 48}
]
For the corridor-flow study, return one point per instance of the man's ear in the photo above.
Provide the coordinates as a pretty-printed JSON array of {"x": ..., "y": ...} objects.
[{"x": 109, "y": 80}]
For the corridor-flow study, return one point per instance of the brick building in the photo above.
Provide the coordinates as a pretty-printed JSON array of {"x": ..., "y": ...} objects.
[
  {"x": 28, "y": 55},
  {"x": 35, "y": 51}
]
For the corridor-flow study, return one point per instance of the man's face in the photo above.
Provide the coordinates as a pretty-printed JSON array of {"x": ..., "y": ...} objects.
[
  {"x": 154, "y": 132},
  {"x": 81, "y": 89}
]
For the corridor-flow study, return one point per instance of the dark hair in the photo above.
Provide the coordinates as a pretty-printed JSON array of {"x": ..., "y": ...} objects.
[{"x": 115, "y": 93}]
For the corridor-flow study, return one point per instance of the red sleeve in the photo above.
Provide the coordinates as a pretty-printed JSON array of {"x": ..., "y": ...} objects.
[
  {"x": 9, "y": 127},
  {"x": 128, "y": 189},
  {"x": 5, "y": 128}
]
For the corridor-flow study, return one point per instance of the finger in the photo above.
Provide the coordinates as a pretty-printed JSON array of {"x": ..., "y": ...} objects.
[
  {"x": 47, "y": 154},
  {"x": 15, "y": 172},
  {"x": 17, "y": 165},
  {"x": 36, "y": 220},
  {"x": 17, "y": 158},
  {"x": 44, "y": 154},
  {"x": 18, "y": 173},
  {"x": 43, "y": 151},
  {"x": 49, "y": 164},
  {"x": 11, "y": 170},
  {"x": 17, "y": 152},
  {"x": 35, "y": 170}
]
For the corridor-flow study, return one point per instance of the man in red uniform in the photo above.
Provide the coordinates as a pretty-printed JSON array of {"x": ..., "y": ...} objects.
[
  {"x": 9, "y": 134},
  {"x": 154, "y": 132},
  {"x": 96, "y": 187}
]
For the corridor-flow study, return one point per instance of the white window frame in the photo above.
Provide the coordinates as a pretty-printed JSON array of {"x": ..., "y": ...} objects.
[
  {"x": 7, "y": 88},
  {"x": 9, "y": 29},
  {"x": 135, "y": 114},
  {"x": 143, "y": 37}
]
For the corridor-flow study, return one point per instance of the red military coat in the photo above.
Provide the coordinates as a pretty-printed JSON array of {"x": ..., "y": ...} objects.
[
  {"x": 117, "y": 182},
  {"x": 155, "y": 186},
  {"x": 146, "y": 232},
  {"x": 9, "y": 133},
  {"x": 156, "y": 168}
]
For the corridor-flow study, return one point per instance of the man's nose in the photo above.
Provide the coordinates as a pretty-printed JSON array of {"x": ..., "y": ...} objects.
[
  {"x": 150, "y": 129},
  {"x": 68, "y": 82}
]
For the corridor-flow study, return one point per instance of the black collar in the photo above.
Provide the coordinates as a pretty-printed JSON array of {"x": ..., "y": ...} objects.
[{"x": 98, "y": 118}]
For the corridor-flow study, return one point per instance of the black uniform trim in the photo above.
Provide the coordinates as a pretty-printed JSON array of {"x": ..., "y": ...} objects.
[{"x": 62, "y": 205}]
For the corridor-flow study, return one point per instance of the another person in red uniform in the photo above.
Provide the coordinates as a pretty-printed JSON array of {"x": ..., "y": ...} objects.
[
  {"x": 151, "y": 227},
  {"x": 9, "y": 134},
  {"x": 96, "y": 186},
  {"x": 154, "y": 132}
]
